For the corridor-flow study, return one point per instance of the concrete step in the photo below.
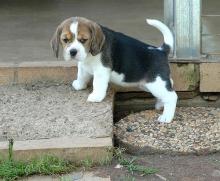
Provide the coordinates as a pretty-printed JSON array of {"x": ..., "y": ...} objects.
[{"x": 45, "y": 119}]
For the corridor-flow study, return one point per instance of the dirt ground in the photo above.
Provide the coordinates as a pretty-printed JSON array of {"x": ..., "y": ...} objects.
[{"x": 172, "y": 168}]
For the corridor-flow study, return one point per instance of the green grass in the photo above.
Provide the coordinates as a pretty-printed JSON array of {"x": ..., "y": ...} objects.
[
  {"x": 131, "y": 165},
  {"x": 108, "y": 159},
  {"x": 87, "y": 163},
  {"x": 47, "y": 165}
]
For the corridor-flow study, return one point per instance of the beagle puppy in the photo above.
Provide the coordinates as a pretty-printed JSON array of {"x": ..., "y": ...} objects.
[{"x": 109, "y": 56}]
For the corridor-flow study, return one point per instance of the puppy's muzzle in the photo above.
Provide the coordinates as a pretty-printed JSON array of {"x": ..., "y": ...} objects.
[{"x": 73, "y": 52}]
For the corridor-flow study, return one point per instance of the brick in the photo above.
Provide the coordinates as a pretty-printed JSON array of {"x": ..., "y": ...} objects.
[
  {"x": 210, "y": 77},
  {"x": 58, "y": 72},
  {"x": 7, "y": 73},
  {"x": 6, "y": 76}
]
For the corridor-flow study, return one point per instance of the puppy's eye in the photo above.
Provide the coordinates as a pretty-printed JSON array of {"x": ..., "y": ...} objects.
[
  {"x": 65, "y": 40},
  {"x": 83, "y": 40}
]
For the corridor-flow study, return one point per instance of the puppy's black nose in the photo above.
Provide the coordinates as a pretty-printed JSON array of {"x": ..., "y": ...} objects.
[{"x": 73, "y": 52}]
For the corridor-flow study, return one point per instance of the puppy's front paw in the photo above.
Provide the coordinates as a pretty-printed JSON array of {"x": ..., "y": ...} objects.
[
  {"x": 165, "y": 119},
  {"x": 95, "y": 98},
  {"x": 77, "y": 85}
]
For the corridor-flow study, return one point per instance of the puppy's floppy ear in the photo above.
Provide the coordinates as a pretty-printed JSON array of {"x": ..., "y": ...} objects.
[
  {"x": 98, "y": 39},
  {"x": 55, "y": 41}
]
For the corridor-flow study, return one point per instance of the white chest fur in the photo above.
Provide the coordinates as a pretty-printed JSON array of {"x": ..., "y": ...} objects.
[{"x": 93, "y": 64}]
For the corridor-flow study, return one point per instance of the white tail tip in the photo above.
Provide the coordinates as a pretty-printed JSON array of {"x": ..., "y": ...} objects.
[
  {"x": 149, "y": 21},
  {"x": 167, "y": 34}
]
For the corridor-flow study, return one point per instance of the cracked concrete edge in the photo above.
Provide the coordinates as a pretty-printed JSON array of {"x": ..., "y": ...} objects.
[
  {"x": 79, "y": 176},
  {"x": 65, "y": 72},
  {"x": 74, "y": 149}
]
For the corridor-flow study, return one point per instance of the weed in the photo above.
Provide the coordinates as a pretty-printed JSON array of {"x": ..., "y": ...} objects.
[
  {"x": 87, "y": 163},
  {"x": 108, "y": 159},
  {"x": 130, "y": 164},
  {"x": 105, "y": 161},
  {"x": 10, "y": 150}
]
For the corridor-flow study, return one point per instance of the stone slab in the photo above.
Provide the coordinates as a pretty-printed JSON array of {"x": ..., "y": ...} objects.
[
  {"x": 210, "y": 77},
  {"x": 185, "y": 76}
]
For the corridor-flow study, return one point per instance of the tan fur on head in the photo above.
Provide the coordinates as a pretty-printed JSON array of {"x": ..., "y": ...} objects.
[
  {"x": 86, "y": 30},
  {"x": 55, "y": 40},
  {"x": 98, "y": 39}
]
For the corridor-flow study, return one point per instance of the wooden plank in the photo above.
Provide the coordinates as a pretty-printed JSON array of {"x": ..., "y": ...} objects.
[
  {"x": 169, "y": 13},
  {"x": 210, "y": 25},
  {"x": 169, "y": 19},
  {"x": 186, "y": 26},
  {"x": 211, "y": 44},
  {"x": 210, "y": 7}
]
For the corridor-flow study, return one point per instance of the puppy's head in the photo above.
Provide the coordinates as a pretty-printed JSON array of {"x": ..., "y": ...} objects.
[{"x": 78, "y": 37}]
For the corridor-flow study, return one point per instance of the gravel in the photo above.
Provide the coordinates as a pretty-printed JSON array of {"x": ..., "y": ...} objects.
[
  {"x": 193, "y": 130},
  {"x": 40, "y": 111}
]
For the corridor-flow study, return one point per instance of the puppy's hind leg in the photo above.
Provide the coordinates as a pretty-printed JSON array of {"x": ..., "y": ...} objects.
[{"x": 168, "y": 98}]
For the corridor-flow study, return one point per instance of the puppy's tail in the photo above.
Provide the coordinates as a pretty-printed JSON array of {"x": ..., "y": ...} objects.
[{"x": 167, "y": 34}]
